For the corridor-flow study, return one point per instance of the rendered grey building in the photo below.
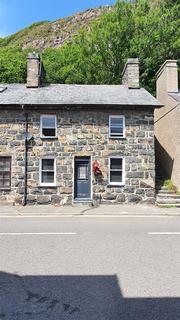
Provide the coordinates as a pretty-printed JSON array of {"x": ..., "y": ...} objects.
[
  {"x": 167, "y": 128},
  {"x": 63, "y": 144}
]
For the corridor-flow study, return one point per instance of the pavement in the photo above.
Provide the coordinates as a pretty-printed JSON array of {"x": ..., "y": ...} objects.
[
  {"x": 84, "y": 210},
  {"x": 103, "y": 268}
]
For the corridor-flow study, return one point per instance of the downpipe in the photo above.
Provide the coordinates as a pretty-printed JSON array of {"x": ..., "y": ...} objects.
[{"x": 24, "y": 202}]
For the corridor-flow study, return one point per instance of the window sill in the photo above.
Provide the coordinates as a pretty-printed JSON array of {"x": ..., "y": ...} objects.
[
  {"x": 5, "y": 189},
  {"x": 47, "y": 138},
  {"x": 115, "y": 185},
  {"x": 122, "y": 138}
]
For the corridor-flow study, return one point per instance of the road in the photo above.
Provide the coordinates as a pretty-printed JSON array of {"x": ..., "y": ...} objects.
[{"x": 86, "y": 268}]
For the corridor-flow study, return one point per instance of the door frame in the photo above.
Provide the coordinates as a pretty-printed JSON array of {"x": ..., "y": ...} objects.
[{"x": 91, "y": 179}]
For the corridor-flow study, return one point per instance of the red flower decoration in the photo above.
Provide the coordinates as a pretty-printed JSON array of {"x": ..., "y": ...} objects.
[{"x": 96, "y": 169}]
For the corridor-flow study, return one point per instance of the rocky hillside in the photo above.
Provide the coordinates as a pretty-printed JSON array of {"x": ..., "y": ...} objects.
[{"x": 54, "y": 34}]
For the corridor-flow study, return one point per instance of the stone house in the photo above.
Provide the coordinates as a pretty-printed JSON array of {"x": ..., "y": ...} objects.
[
  {"x": 167, "y": 125},
  {"x": 63, "y": 144}
]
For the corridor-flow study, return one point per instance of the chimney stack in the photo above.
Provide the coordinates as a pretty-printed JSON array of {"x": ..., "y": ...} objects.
[
  {"x": 33, "y": 70},
  {"x": 167, "y": 77},
  {"x": 130, "y": 74}
]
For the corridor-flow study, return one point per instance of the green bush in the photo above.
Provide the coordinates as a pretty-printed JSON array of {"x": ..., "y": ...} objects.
[{"x": 169, "y": 184}]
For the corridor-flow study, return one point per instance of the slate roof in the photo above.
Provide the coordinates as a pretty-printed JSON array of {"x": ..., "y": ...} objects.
[
  {"x": 175, "y": 96},
  {"x": 63, "y": 94}
]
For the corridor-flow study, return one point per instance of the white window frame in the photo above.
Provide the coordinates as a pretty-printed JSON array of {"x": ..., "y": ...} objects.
[
  {"x": 122, "y": 183},
  {"x": 117, "y": 136},
  {"x": 50, "y": 184},
  {"x": 41, "y": 126}
]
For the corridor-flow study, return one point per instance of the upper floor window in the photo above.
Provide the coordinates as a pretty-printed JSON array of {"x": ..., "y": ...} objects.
[
  {"x": 48, "y": 126},
  {"x": 47, "y": 172},
  {"x": 5, "y": 172},
  {"x": 116, "y": 171},
  {"x": 116, "y": 126}
]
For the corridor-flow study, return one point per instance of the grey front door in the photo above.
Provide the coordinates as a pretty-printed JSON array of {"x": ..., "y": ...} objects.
[{"x": 82, "y": 178}]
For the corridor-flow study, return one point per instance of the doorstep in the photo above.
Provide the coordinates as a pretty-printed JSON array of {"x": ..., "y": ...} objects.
[{"x": 82, "y": 202}]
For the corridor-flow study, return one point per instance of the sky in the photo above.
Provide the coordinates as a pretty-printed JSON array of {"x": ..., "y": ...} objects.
[{"x": 18, "y": 14}]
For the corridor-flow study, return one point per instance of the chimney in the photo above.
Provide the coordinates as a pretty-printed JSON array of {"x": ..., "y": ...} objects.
[
  {"x": 167, "y": 77},
  {"x": 33, "y": 70},
  {"x": 130, "y": 74}
]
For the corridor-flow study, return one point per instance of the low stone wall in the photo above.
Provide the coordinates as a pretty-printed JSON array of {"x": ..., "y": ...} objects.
[{"x": 80, "y": 132}]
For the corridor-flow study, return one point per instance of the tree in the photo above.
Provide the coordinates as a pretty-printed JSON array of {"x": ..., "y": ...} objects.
[
  {"x": 145, "y": 29},
  {"x": 131, "y": 30},
  {"x": 12, "y": 65}
]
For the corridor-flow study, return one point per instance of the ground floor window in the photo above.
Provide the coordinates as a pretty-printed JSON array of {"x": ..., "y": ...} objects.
[
  {"x": 116, "y": 171},
  {"x": 5, "y": 172},
  {"x": 47, "y": 172}
]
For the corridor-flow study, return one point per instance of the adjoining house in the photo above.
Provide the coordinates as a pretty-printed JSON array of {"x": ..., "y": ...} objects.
[
  {"x": 167, "y": 122},
  {"x": 63, "y": 144}
]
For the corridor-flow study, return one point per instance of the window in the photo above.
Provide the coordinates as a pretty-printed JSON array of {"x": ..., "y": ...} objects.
[
  {"x": 47, "y": 172},
  {"x": 5, "y": 172},
  {"x": 116, "y": 126},
  {"x": 116, "y": 171},
  {"x": 48, "y": 126}
]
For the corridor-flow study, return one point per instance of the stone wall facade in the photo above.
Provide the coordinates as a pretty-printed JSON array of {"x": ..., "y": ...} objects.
[{"x": 81, "y": 131}]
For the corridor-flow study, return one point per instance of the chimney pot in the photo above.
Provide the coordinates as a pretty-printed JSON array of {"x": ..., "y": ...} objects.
[
  {"x": 167, "y": 77},
  {"x": 130, "y": 74},
  {"x": 33, "y": 70}
]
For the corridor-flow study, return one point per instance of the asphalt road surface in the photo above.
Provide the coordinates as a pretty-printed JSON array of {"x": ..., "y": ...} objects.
[{"x": 86, "y": 268}]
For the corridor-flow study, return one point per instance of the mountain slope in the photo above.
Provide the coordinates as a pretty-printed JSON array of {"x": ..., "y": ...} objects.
[
  {"x": 148, "y": 29},
  {"x": 54, "y": 34}
]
